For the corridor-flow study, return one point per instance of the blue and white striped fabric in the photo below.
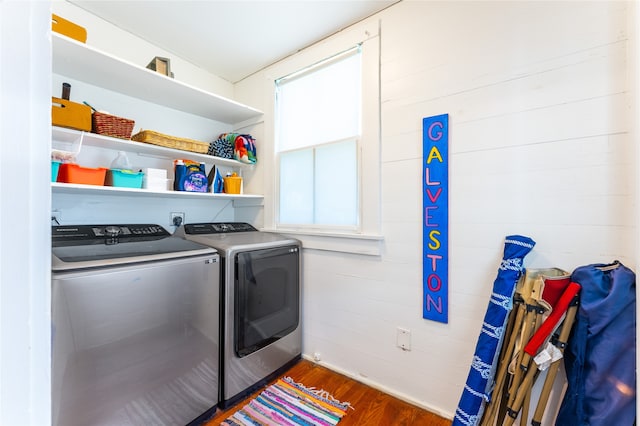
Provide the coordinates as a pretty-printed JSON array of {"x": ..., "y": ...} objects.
[{"x": 474, "y": 395}]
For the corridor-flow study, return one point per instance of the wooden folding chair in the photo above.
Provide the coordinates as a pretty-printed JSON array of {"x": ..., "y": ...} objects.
[
  {"x": 566, "y": 307},
  {"x": 536, "y": 294}
]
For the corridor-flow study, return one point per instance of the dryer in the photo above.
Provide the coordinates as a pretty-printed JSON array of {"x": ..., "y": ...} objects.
[
  {"x": 261, "y": 334},
  {"x": 135, "y": 326}
]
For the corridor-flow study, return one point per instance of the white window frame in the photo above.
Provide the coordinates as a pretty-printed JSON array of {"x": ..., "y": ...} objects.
[{"x": 367, "y": 237}]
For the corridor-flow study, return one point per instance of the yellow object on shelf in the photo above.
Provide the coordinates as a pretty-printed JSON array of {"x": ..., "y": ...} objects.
[
  {"x": 69, "y": 114},
  {"x": 232, "y": 184},
  {"x": 68, "y": 28}
]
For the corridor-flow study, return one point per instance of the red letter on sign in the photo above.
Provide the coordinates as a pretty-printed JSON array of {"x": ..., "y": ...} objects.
[
  {"x": 436, "y": 278},
  {"x": 432, "y": 197}
]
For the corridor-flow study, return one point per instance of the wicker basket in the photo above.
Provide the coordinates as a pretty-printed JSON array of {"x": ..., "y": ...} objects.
[
  {"x": 155, "y": 138},
  {"x": 110, "y": 125}
]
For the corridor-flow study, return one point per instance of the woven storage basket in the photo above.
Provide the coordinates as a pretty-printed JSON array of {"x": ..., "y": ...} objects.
[
  {"x": 156, "y": 138},
  {"x": 110, "y": 125}
]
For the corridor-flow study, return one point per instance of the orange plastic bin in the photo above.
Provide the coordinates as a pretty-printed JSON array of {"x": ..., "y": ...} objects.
[{"x": 73, "y": 173}]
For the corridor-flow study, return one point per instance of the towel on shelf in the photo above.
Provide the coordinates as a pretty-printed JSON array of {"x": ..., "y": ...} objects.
[
  {"x": 234, "y": 145},
  {"x": 244, "y": 149},
  {"x": 223, "y": 146}
]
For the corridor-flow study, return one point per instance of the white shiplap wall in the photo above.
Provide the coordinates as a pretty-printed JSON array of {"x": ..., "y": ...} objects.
[{"x": 540, "y": 145}]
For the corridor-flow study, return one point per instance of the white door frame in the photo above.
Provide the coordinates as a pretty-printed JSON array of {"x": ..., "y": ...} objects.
[{"x": 25, "y": 208}]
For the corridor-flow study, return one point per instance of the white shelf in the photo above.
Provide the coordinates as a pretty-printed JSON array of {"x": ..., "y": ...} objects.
[
  {"x": 77, "y": 189},
  {"x": 70, "y": 137},
  {"x": 85, "y": 63},
  {"x": 92, "y": 66}
]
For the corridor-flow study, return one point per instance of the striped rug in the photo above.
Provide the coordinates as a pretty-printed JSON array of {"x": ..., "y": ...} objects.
[{"x": 287, "y": 403}]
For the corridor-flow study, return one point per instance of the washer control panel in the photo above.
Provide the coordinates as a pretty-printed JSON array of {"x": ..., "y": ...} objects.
[
  {"x": 217, "y": 228},
  {"x": 64, "y": 233},
  {"x": 129, "y": 230}
]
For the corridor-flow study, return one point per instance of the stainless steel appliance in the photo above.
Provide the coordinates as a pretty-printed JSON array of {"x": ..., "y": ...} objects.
[
  {"x": 261, "y": 334},
  {"x": 135, "y": 326}
]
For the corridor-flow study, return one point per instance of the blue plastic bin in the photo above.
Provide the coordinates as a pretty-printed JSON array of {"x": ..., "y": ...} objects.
[
  {"x": 55, "y": 166},
  {"x": 124, "y": 178}
]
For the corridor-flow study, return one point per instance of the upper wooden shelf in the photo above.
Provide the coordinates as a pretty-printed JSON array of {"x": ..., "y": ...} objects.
[{"x": 85, "y": 63}]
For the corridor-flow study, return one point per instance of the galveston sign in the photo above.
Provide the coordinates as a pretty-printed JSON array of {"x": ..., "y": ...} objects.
[{"x": 435, "y": 220}]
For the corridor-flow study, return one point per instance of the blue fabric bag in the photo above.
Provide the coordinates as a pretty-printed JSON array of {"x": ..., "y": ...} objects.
[{"x": 600, "y": 358}]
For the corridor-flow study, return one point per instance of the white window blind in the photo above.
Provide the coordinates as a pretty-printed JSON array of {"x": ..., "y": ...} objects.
[
  {"x": 325, "y": 144},
  {"x": 318, "y": 129}
]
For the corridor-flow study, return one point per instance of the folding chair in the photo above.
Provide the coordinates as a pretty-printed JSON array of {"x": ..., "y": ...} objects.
[
  {"x": 566, "y": 307},
  {"x": 537, "y": 293}
]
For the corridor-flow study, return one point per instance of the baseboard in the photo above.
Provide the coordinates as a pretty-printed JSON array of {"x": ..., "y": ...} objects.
[{"x": 380, "y": 387}]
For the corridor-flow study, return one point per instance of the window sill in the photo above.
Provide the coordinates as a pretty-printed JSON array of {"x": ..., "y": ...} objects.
[{"x": 366, "y": 244}]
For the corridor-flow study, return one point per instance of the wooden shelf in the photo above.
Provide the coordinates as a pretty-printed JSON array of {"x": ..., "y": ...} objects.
[{"x": 85, "y": 63}]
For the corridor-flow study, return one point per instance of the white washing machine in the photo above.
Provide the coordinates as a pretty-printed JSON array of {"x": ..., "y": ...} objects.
[
  {"x": 261, "y": 333},
  {"x": 135, "y": 328}
]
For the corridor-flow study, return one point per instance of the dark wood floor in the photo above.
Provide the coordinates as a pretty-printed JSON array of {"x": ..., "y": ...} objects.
[{"x": 371, "y": 406}]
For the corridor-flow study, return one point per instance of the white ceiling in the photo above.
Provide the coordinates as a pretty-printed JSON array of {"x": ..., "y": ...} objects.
[{"x": 233, "y": 39}]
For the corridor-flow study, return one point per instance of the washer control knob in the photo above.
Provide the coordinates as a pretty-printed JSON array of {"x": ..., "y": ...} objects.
[{"x": 112, "y": 231}]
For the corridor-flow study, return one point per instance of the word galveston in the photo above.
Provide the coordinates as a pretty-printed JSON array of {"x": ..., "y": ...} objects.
[{"x": 435, "y": 230}]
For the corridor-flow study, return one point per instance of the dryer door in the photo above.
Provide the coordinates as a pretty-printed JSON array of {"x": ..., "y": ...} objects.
[{"x": 267, "y": 295}]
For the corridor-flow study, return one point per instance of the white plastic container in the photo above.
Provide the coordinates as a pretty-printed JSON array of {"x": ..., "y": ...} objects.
[
  {"x": 156, "y": 180},
  {"x": 121, "y": 161}
]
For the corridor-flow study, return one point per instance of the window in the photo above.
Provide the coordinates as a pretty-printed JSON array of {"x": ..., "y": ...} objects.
[
  {"x": 318, "y": 116},
  {"x": 325, "y": 143}
]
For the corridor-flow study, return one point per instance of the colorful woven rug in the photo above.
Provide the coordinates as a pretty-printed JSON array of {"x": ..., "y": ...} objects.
[{"x": 287, "y": 403}]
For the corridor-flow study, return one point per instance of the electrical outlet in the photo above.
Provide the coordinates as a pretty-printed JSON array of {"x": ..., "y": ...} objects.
[
  {"x": 177, "y": 218},
  {"x": 403, "y": 339}
]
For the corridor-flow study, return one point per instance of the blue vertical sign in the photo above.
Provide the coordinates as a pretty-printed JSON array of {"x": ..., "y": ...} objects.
[{"x": 435, "y": 224}]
